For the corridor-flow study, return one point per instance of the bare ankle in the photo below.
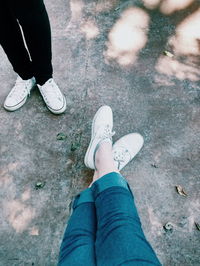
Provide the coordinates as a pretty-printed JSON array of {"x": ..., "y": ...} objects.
[
  {"x": 104, "y": 160},
  {"x": 105, "y": 148}
]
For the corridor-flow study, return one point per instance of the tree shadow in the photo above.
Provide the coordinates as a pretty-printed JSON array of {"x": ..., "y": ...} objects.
[{"x": 160, "y": 29}]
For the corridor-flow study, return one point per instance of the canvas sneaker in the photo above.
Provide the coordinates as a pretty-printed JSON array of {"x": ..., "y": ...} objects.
[
  {"x": 126, "y": 148},
  {"x": 102, "y": 126},
  {"x": 19, "y": 93},
  {"x": 53, "y": 97}
]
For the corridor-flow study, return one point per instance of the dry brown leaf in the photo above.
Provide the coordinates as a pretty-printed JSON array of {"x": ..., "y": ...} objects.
[
  {"x": 181, "y": 191},
  {"x": 197, "y": 226},
  {"x": 168, "y": 54}
]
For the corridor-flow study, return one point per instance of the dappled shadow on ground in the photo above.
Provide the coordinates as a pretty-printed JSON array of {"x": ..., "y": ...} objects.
[
  {"x": 127, "y": 37},
  {"x": 155, "y": 46},
  {"x": 138, "y": 31},
  {"x": 17, "y": 213},
  {"x": 127, "y": 40},
  {"x": 141, "y": 31},
  {"x": 167, "y": 7},
  {"x": 144, "y": 30}
]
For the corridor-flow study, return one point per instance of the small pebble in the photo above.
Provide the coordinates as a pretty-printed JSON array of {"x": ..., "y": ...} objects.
[
  {"x": 61, "y": 136},
  {"x": 39, "y": 185},
  {"x": 71, "y": 111},
  {"x": 154, "y": 165},
  {"x": 69, "y": 162},
  {"x": 168, "y": 227}
]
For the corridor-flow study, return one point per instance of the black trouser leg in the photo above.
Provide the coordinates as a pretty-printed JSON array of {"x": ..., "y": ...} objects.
[
  {"x": 34, "y": 20},
  {"x": 12, "y": 42}
]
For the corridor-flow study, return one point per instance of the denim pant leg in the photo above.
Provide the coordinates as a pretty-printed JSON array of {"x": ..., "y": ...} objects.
[
  {"x": 77, "y": 248},
  {"x": 120, "y": 239}
]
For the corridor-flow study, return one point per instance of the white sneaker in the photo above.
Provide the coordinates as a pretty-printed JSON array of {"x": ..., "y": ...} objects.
[
  {"x": 53, "y": 97},
  {"x": 19, "y": 93},
  {"x": 101, "y": 131},
  {"x": 126, "y": 148}
]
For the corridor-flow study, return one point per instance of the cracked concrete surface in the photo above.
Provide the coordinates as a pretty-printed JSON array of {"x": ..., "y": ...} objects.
[{"x": 107, "y": 52}]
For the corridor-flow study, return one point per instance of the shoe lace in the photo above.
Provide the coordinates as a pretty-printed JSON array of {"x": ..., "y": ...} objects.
[
  {"x": 121, "y": 155},
  {"x": 20, "y": 88},
  {"x": 107, "y": 133},
  {"x": 51, "y": 90}
]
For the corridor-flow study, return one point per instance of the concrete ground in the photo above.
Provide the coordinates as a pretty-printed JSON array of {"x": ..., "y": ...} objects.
[{"x": 115, "y": 53}]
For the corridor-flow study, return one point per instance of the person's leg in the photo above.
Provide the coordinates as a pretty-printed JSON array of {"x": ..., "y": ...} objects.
[
  {"x": 34, "y": 20},
  {"x": 12, "y": 42},
  {"x": 120, "y": 239},
  {"x": 77, "y": 247},
  {"x": 107, "y": 165}
]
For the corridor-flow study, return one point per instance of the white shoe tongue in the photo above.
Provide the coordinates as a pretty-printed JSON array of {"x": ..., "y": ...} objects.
[
  {"x": 105, "y": 140},
  {"x": 102, "y": 125}
]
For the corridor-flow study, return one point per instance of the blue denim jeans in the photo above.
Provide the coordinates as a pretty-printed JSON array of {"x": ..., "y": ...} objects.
[{"x": 105, "y": 228}]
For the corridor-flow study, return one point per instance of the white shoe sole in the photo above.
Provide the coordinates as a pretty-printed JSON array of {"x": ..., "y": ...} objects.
[
  {"x": 89, "y": 156},
  {"x": 127, "y": 142},
  {"x": 17, "y": 106},
  {"x": 61, "y": 110}
]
